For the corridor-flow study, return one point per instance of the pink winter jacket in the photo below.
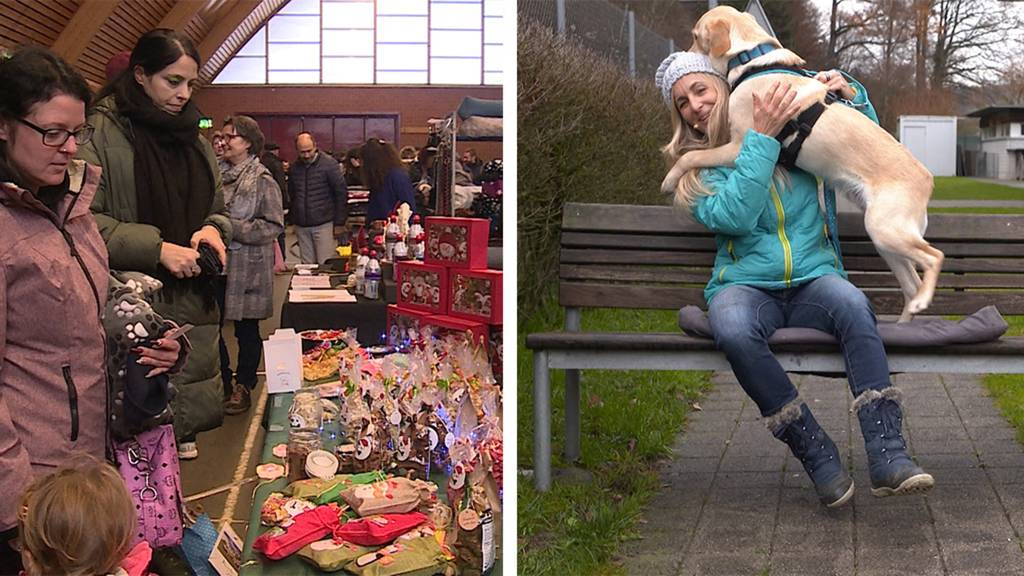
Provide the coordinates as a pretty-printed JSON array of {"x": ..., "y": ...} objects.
[{"x": 53, "y": 283}]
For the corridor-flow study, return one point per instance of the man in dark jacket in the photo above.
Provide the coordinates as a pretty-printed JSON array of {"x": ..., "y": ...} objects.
[
  {"x": 273, "y": 162},
  {"x": 319, "y": 201}
]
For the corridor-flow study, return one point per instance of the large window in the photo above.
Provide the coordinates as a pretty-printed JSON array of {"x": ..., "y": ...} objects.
[{"x": 374, "y": 42}]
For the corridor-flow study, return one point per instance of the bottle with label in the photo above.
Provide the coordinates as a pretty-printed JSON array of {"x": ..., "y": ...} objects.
[
  {"x": 401, "y": 250},
  {"x": 371, "y": 287},
  {"x": 364, "y": 258},
  {"x": 421, "y": 246},
  {"x": 390, "y": 238}
]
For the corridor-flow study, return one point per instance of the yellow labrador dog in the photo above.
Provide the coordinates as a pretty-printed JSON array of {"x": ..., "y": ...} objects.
[{"x": 845, "y": 148}]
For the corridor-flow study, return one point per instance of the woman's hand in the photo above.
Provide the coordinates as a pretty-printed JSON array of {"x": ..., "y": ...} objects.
[
  {"x": 837, "y": 83},
  {"x": 179, "y": 260},
  {"x": 774, "y": 109},
  {"x": 210, "y": 235},
  {"x": 162, "y": 356}
]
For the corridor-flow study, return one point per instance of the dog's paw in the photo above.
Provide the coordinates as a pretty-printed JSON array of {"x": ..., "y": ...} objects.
[
  {"x": 918, "y": 305},
  {"x": 668, "y": 185}
]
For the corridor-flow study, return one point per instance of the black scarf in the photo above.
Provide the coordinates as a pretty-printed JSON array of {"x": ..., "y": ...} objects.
[
  {"x": 174, "y": 183},
  {"x": 173, "y": 180}
]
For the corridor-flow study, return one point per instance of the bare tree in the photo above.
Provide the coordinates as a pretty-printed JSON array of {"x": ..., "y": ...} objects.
[
  {"x": 971, "y": 41},
  {"x": 844, "y": 34}
]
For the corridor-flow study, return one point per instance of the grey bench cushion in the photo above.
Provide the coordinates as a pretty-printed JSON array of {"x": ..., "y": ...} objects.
[{"x": 985, "y": 325}]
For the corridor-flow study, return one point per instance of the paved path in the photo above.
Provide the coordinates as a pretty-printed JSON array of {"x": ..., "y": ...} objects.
[{"x": 734, "y": 502}]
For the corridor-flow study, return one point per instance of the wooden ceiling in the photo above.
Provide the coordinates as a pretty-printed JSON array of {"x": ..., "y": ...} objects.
[{"x": 87, "y": 33}]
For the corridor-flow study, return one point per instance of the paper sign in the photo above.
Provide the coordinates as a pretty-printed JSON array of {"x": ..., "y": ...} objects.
[{"x": 226, "y": 557}]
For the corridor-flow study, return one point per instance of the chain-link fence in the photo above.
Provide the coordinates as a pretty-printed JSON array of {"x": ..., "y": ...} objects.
[{"x": 603, "y": 28}]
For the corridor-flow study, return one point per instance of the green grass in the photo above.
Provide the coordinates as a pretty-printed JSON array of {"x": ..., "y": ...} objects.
[
  {"x": 957, "y": 188},
  {"x": 1007, "y": 390},
  {"x": 975, "y": 210},
  {"x": 629, "y": 421}
]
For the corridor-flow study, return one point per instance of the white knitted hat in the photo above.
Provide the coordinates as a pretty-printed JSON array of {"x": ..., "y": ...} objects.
[{"x": 677, "y": 65}]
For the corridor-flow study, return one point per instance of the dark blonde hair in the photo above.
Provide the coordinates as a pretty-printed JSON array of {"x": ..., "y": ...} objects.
[{"x": 78, "y": 520}]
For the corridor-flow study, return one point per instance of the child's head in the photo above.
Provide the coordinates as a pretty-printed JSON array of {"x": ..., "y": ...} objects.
[{"x": 76, "y": 521}]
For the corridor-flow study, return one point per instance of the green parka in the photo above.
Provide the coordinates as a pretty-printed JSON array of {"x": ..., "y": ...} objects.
[{"x": 136, "y": 247}]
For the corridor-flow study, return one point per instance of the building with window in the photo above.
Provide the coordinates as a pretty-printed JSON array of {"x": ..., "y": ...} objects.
[{"x": 1002, "y": 140}]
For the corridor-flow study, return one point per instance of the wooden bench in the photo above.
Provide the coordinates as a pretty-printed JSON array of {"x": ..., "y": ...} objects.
[{"x": 648, "y": 257}]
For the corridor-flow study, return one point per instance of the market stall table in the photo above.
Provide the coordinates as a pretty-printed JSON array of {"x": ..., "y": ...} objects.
[
  {"x": 254, "y": 564},
  {"x": 369, "y": 317}
]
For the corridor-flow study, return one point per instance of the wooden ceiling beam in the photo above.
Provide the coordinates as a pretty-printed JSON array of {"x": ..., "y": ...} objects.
[
  {"x": 181, "y": 14},
  {"x": 225, "y": 25},
  {"x": 84, "y": 25}
]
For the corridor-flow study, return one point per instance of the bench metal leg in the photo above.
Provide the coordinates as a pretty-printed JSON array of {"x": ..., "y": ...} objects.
[
  {"x": 541, "y": 421},
  {"x": 572, "y": 415},
  {"x": 572, "y": 395}
]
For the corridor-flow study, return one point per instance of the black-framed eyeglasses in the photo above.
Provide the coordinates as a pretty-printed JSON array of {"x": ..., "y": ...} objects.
[
  {"x": 230, "y": 137},
  {"x": 56, "y": 137}
]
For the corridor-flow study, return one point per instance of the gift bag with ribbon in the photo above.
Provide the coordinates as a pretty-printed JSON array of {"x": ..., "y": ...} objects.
[{"x": 149, "y": 466}]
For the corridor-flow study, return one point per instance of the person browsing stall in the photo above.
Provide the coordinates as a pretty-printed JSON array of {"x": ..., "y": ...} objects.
[
  {"x": 319, "y": 201},
  {"x": 253, "y": 200},
  {"x": 775, "y": 268},
  {"x": 53, "y": 283},
  {"x": 387, "y": 177},
  {"x": 159, "y": 202}
]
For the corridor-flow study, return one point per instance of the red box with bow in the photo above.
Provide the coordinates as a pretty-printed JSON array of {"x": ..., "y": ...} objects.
[
  {"x": 422, "y": 286},
  {"x": 457, "y": 242},
  {"x": 475, "y": 295}
]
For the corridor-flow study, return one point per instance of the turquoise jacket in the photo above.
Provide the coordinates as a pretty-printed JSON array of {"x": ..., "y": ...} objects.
[{"x": 767, "y": 237}]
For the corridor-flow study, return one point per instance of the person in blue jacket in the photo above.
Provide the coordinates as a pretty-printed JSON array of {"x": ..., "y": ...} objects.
[
  {"x": 387, "y": 177},
  {"x": 777, "y": 267}
]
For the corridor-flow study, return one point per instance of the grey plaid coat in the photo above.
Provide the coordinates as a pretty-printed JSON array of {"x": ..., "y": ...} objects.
[{"x": 253, "y": 201}]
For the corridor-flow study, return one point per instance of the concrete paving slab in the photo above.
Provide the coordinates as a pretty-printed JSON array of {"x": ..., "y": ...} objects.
[{"x": 756, "y": 511}]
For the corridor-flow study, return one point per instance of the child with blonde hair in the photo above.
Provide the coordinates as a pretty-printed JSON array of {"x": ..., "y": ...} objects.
[{"x": 79, "y": 521}]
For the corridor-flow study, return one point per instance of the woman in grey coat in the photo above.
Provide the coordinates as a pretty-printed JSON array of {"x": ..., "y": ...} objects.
[{"x": 253, "y": 201}]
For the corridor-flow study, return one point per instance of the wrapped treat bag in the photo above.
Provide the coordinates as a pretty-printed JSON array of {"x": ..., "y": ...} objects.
[
  {"x": 327, "y": 491},
  {"x": 280, "y": 510},
  {"x": 380, "y": 529},
  {"x": 331, "y": 556},
  {"x": 307, "y": 528},
  {"x": 390, "y": 496}
]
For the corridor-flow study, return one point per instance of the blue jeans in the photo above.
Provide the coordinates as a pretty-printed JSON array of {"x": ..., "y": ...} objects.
[{"x": 743, "y": 318}]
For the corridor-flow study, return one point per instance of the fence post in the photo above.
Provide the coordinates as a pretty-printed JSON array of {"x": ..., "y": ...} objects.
[
  {"x": 632, "y": 43},
  {"x": 560, "y": 16}
]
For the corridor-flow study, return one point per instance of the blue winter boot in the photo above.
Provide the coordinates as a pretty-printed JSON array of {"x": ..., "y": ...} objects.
[
  {"x": 892, "y": 470},
  {"x": 796, "y": 426}
]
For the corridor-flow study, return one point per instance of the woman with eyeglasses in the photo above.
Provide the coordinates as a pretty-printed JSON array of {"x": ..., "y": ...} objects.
[
  {"x": 159, "y": 202},
  {"x": 53, "y": 283}
]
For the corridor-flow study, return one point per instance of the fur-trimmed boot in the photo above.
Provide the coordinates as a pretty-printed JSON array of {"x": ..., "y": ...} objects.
[
  {"x": 892, "y": 470},
  {"x": 796, "y": 426}
]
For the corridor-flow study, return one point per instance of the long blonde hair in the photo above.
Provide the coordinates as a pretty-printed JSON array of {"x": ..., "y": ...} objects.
[
  {"x": 77, "y": 521},
  {"x": 686, "y": 138}
]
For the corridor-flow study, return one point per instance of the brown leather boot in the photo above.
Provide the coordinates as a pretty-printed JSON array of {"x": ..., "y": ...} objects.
[{"x": 239, "y": 401}]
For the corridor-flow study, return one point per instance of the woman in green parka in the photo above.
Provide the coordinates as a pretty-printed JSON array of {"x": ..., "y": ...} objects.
[
  {"x": 159, "y": 199},
  {"x": 776, "y": 267}
]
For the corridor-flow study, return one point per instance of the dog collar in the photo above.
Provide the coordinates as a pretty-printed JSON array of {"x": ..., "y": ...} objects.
[{"x": 748, "y": 55}]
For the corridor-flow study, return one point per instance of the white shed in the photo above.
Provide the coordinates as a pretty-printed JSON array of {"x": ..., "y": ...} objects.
[{"x": 932, "y": 140}]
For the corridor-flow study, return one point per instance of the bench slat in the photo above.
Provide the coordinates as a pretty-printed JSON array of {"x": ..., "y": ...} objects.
[
  {"x": 667, "y": 275},
  {"x": 664, "y": 219},
  {"x": 588, "y": 295}
]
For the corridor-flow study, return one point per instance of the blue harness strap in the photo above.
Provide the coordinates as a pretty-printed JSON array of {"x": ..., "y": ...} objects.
[{"x": 833, "y": 220}]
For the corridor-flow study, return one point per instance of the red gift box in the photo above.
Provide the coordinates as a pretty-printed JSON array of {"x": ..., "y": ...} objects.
[
  {"x": 457, "y": 242},
  {"x": 404, "y": 324},
  {"x": 475, "y": 295},
  {"x": 422, "y": 286},
  {"x": 451, "y": 324}
]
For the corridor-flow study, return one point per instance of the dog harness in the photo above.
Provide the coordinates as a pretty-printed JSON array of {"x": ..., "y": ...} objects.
[{"x": 800, "y": 126}]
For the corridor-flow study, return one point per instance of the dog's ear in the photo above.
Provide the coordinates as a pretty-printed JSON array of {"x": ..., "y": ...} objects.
[{"x": 718, "y": 36}]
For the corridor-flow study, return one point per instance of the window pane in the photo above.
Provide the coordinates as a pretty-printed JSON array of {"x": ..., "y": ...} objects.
[
  {"x": 402, "y": 29},
  {"x": 493, "y": 58},
  {"x": 447, "y": 43},
  {"x": 494, "y": 31},
  {"x": 493, "y": 78},
  {"x": 494, "y": 7},
  {"x": 243, "y": 70},
  {"x": 457, "y": 16},
  {"x": 293, "y": 76},
  {"x": 404, "y": 7},
  {"x": 294, "y": 56},
  {"x": 455, "y": 71},
  {"x": 257, "y": 45},
  {"x": 348, "y": 70},
  {"x": 401, "y": 57},
  {"x": 348, "y": 14},
  {"x": 301, "y": 7},
  {"x": 384, "y": 77},
  {"x": 348, "y": 42},
  {"x": 294, "y": 28}
]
